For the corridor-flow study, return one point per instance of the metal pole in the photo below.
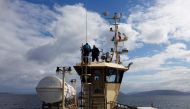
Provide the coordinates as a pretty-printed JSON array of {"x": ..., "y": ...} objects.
[
  {"x": 63, "y": 86},
  {"x": 63, "y": 71},
  {"x": 81, "y": 94},
  {"x": 116, "y": 43},
  {"x": 75, "y": 92},
  {"x": 73, "y": 81},
  {"x": 86, "y": 28}
]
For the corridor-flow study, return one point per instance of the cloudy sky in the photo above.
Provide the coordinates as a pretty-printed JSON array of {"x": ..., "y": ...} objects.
[{"x": 39, "y": 35}]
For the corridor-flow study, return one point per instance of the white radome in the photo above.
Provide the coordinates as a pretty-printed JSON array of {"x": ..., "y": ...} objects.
[{"x": 49, "y": 89}]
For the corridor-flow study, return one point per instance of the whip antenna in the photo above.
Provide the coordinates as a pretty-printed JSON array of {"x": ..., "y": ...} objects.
[{"x": 86, "y": 27}]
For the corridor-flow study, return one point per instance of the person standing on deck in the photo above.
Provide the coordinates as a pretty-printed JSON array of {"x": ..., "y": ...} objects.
[
  {"x": 86, "y": 49},
  {"x": 95, "y": 54}
]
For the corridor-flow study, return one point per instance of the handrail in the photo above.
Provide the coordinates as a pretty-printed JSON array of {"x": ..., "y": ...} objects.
[{"x": 121, "y": 106}]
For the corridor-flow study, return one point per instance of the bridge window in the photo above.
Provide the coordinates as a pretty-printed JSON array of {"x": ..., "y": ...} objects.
[
  {"x": 114, "y": 76},
  {"x": 111, "y": 76}
]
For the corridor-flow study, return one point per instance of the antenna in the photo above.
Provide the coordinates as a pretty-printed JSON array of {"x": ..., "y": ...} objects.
[
  {"x": 86, "y": 27},
  {"x": 116, "y": 17}
]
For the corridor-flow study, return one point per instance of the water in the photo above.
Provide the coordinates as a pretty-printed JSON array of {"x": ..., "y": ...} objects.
[
  {"x": 159, "y": 101},
  {"x": 12, "y": 101}
]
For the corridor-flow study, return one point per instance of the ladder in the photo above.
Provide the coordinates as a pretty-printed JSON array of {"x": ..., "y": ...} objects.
[
  {"x": 98, "y": 102},
  {"x": 86, "y": 96}
]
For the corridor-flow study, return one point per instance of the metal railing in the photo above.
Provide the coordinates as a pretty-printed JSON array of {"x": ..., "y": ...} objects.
[{"x": 115, "y": 105}]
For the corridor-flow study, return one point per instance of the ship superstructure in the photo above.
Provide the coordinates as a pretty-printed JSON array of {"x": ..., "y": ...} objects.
[
  {"x": 100, "y": 84},
  {"x": 100, "y": 81}
]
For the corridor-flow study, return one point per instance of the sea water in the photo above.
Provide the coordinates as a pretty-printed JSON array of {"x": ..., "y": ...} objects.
[
  {"x": 16, "y": 101},
  {"x": 159, "y": 101},
  {"x": 19, "y": 101}
]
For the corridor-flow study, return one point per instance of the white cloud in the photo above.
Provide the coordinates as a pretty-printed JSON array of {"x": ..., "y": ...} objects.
[
  {"x": 19, "y": 33},
  {"x": 69, "y": 32},
  {"x": 152, "y": 72},
  {"x": 155, "y": 62},
  {"x": 21, "y": 30},
  {"x": 175, "y": 78},
  {"x": 28, "y": 50},
  {"x": 163, "y": 21}
]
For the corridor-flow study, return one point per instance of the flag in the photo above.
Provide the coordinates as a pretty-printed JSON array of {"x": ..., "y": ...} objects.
[{"x": 119, "y": 35}]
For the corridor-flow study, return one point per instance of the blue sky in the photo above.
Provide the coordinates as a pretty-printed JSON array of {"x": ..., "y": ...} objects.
[
  {"x": 39, "y": 35},
  {"x": 96, "y": 5}
]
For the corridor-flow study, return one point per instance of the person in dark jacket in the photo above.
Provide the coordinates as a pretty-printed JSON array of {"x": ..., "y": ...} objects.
[
  {"x": 95, "y": 54},
  {"x": 86, "y": 49}
]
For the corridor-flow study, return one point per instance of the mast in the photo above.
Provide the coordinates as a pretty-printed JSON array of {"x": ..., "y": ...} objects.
[
  {"x": 86, "y": 27},
  {"x": 116, "y": 31},
  {"x": 116, "y": 17}
]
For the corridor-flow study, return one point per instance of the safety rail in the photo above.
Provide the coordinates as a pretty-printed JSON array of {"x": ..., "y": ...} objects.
[{"x": 116, "y": 105}]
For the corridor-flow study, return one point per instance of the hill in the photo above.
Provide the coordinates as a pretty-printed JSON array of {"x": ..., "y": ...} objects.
[{"x": 160, "y": 92}]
